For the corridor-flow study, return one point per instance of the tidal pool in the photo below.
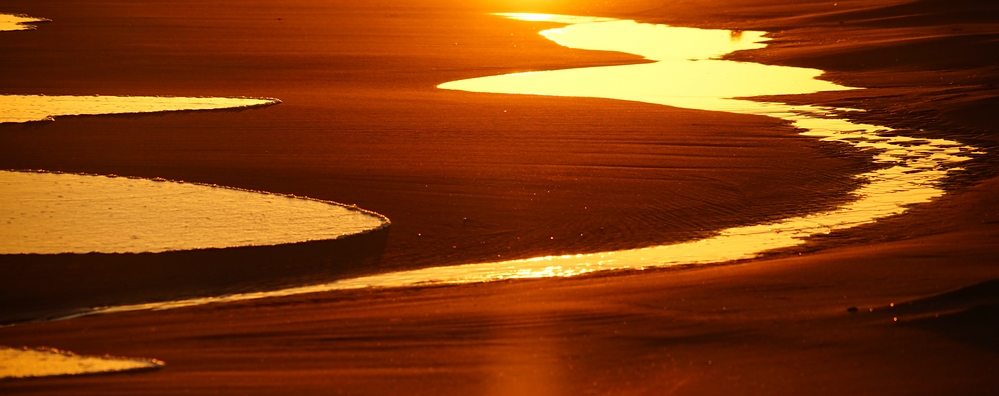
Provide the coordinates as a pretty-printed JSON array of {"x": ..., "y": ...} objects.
[
  {"x": 685, "y": 71},
  {"x": 42, "y": 362},
  {"x": 49, "y": 213}
]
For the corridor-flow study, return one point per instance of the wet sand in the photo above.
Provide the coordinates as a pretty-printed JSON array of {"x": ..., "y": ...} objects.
[{"x": 462, "y": 184}]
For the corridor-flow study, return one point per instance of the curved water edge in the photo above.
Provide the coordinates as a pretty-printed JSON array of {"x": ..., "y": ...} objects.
[
  {"x": 52, "y": 213},
  {"x": 46, "y": 362},
  {"x": 911, "y": 172}
]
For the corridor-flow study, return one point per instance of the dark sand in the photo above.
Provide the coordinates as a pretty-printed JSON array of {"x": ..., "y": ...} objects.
[{"x": 361, "y": 123}]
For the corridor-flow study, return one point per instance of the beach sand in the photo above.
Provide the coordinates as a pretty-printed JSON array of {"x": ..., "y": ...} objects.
[{"x": 473, "y": 177}]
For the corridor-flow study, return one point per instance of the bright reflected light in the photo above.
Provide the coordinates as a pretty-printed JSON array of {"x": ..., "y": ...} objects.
[
  {"x": 11, "y": 22},
  {"x": 26, "y": 108},
  {"x": 42, "y": 362},
  {"x": 50, "y": 213}
]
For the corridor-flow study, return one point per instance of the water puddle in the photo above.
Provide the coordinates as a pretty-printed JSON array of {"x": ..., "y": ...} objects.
[
  {"x": 51, "y": 213},
  {"x": 42, "y": 362},
  {"x": 12, "y": 22},
  {"x": 27, "y": 108},
  {"x": 686, "y": 73}
]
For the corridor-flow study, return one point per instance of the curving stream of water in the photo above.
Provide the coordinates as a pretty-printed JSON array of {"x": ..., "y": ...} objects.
[{"x": 684, "y": 71}]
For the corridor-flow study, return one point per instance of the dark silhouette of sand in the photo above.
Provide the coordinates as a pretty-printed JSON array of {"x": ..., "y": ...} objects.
[{"x": 463, "y": 181}]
